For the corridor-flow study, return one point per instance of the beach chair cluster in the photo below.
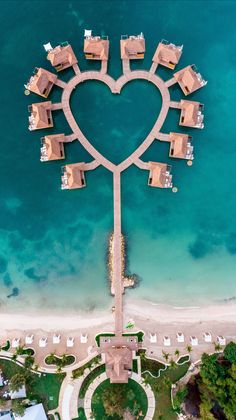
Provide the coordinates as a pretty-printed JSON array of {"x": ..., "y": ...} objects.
[
  {"x": 181, "y": 339},
  {"x": 42, "y": 342}
]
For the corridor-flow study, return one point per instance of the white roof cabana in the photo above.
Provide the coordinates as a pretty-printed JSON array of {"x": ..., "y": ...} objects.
[
  {"x": 194, "y": 340},
  {"x": 166, "y": 341},
  {"x": 56, "y": 338},
  {"x": 221, "y": 340},
  {"x": 180, "y": 337},
  {"x": 207, "y": 337},
  {"x": 83, "y": 338},
  {"x": 47, "y": 47},
  {"x": 29, "y": 339},
  {"x": 43, "y": 342},
  {"x": 70, "y": 342},
  {"x": 87, "y": 33},
  {"x": 15, "y": 343},
  {"x": 153, "y": 338}
]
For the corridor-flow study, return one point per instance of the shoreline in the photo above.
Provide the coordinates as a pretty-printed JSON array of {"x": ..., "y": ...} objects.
[{"x": 146, "y": 314}]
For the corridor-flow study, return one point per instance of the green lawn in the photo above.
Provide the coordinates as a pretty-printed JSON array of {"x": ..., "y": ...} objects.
[
  {"x": 162, "y": 386},
  {"x": 133, "y": 395},
  {"x": 44, "y": 388},
  {"x": 90, "y": 378}
]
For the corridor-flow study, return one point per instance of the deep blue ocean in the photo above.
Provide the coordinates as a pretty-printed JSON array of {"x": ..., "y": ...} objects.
[{"x": 53, "y": 243}]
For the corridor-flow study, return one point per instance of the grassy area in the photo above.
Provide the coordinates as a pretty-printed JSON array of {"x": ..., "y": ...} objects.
[
  {"x": 135, "y": 366},
  {"x": 7, "y": 346},
  {"x": 138, "y": 334},
  {"x": 130, "y": 395},
  {"x": 90, "y": 378},
  {"x": 151, "y": 365},
  {"x": 183, "y": 359},
  {"x": 162, "y": 386},
  {"x": 81, "y": 414},
  {"x": 44, "y": 388},
  {"x": 97, "y": 337},
  {"x": 80, "y": 371}
]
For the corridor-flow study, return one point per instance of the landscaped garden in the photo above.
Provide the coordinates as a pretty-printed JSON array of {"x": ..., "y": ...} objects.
[
  {"x": 60, "y": 362},
  {"x": 43, "y": 388},
  {"x": 112, "y": 401},
  {"x": 161, "y": 382}
]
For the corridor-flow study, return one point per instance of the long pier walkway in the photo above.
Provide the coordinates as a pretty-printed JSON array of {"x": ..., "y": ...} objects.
[{"x": 135, "y": 158}]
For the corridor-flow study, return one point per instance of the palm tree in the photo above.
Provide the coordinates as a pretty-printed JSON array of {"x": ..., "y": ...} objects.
[
  {"x": 165, "y": 355},
  {"x": 63, "y": 360},
  {"x": 217, "y": 347},
  {"x": 177, "y": 353},
  {"x": 173, "y": 365},
  {"x": 189, "y": 348}
]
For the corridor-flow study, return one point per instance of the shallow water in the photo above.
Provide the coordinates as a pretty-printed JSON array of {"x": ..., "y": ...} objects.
[{"x": 53, "y": 242}]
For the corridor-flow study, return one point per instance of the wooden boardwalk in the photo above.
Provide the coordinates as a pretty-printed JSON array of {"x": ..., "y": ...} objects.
[{"x": 116, "y": 86}]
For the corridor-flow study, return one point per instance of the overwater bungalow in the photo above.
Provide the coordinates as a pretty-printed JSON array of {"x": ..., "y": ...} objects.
[
  {"x": 132, "y": 47},
  {"x": 167, "y": 54},
  {"x": 95, "y": 47},
  {"x": 180, "y": 146},
  {"x": 159, "y": 175},
  {"x": 40, "y": 115},
  {"x": 62, "y": 57},
  {"x": 52, "y": 147},
  {"x": 118, "y": 364},
  {"x": 191, "y": 114},
  {"x": 189, "y": 79},
  {"x": 73, "y": 176},
  {"x": 41, "y": 82}
]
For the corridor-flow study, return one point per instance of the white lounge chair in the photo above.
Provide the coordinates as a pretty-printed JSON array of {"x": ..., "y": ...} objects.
[
  {"x": 29, "y": 339},
  {"x": 70, "y": 342},
  {"x": 207, "y": 337},
  {"x": 43, "y": 342},
  {"x": 194, "y": 340},
  {"x": 153, "y": 338},
  {"x": 83, "y": 338},
  {"x": 15, "y": 343},
  {"x": 180, "y": 337},
  {"x": 166, "y": 341},
  {"x": 56, "y": 338},
  {"x": 221, "y": 340}
]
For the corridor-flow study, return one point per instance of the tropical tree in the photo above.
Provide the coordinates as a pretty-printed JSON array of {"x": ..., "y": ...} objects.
[
  {"x": 173, "y": 365},
  {"x": 189, "y": 348},
  {"x": 230, "y": 352},
  {"x": 177, "y": 353},
  {"x": 17, "y": 381},
  {"x": 63, "y": 360},
  {"x": 217, "y": 347},
  {"x": 18, "y": 407},
  {"x": 165, "y": 355}
]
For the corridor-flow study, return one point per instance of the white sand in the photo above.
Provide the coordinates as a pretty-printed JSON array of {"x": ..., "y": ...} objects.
[{"x": 145, "y": 314}]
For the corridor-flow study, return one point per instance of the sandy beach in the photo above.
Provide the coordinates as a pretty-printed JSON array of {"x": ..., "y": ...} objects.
[{"x": 145, "y": 314}]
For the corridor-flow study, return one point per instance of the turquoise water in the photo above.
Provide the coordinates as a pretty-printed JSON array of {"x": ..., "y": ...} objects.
[{"x": 53, "y": 242}]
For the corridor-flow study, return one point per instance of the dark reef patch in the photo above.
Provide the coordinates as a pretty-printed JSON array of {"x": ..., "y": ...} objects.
[{"x": 30, "y": 273}]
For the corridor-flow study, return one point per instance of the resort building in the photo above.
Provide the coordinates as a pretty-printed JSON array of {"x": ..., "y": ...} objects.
[
  {"x": 40, "y": 115},
  {"x": 52, "y": 147},
  {"x": 73, "y": 176},
  {"x": 95, "y": 47},
  {"x": 191, "y": 114},
  {"x": 159, "y": 175},
  {"x": 180, "y": 146},
  {"x": 167, "y": 54},
  {"x": 189, "y": 79},
  {"x": 118, "y": 364},
  {"x": 41, "y": 82},
  {"x": 132, "y": 47},
  {"x": 62, "y": 57},
  {"x": 35, "y": 412}
]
